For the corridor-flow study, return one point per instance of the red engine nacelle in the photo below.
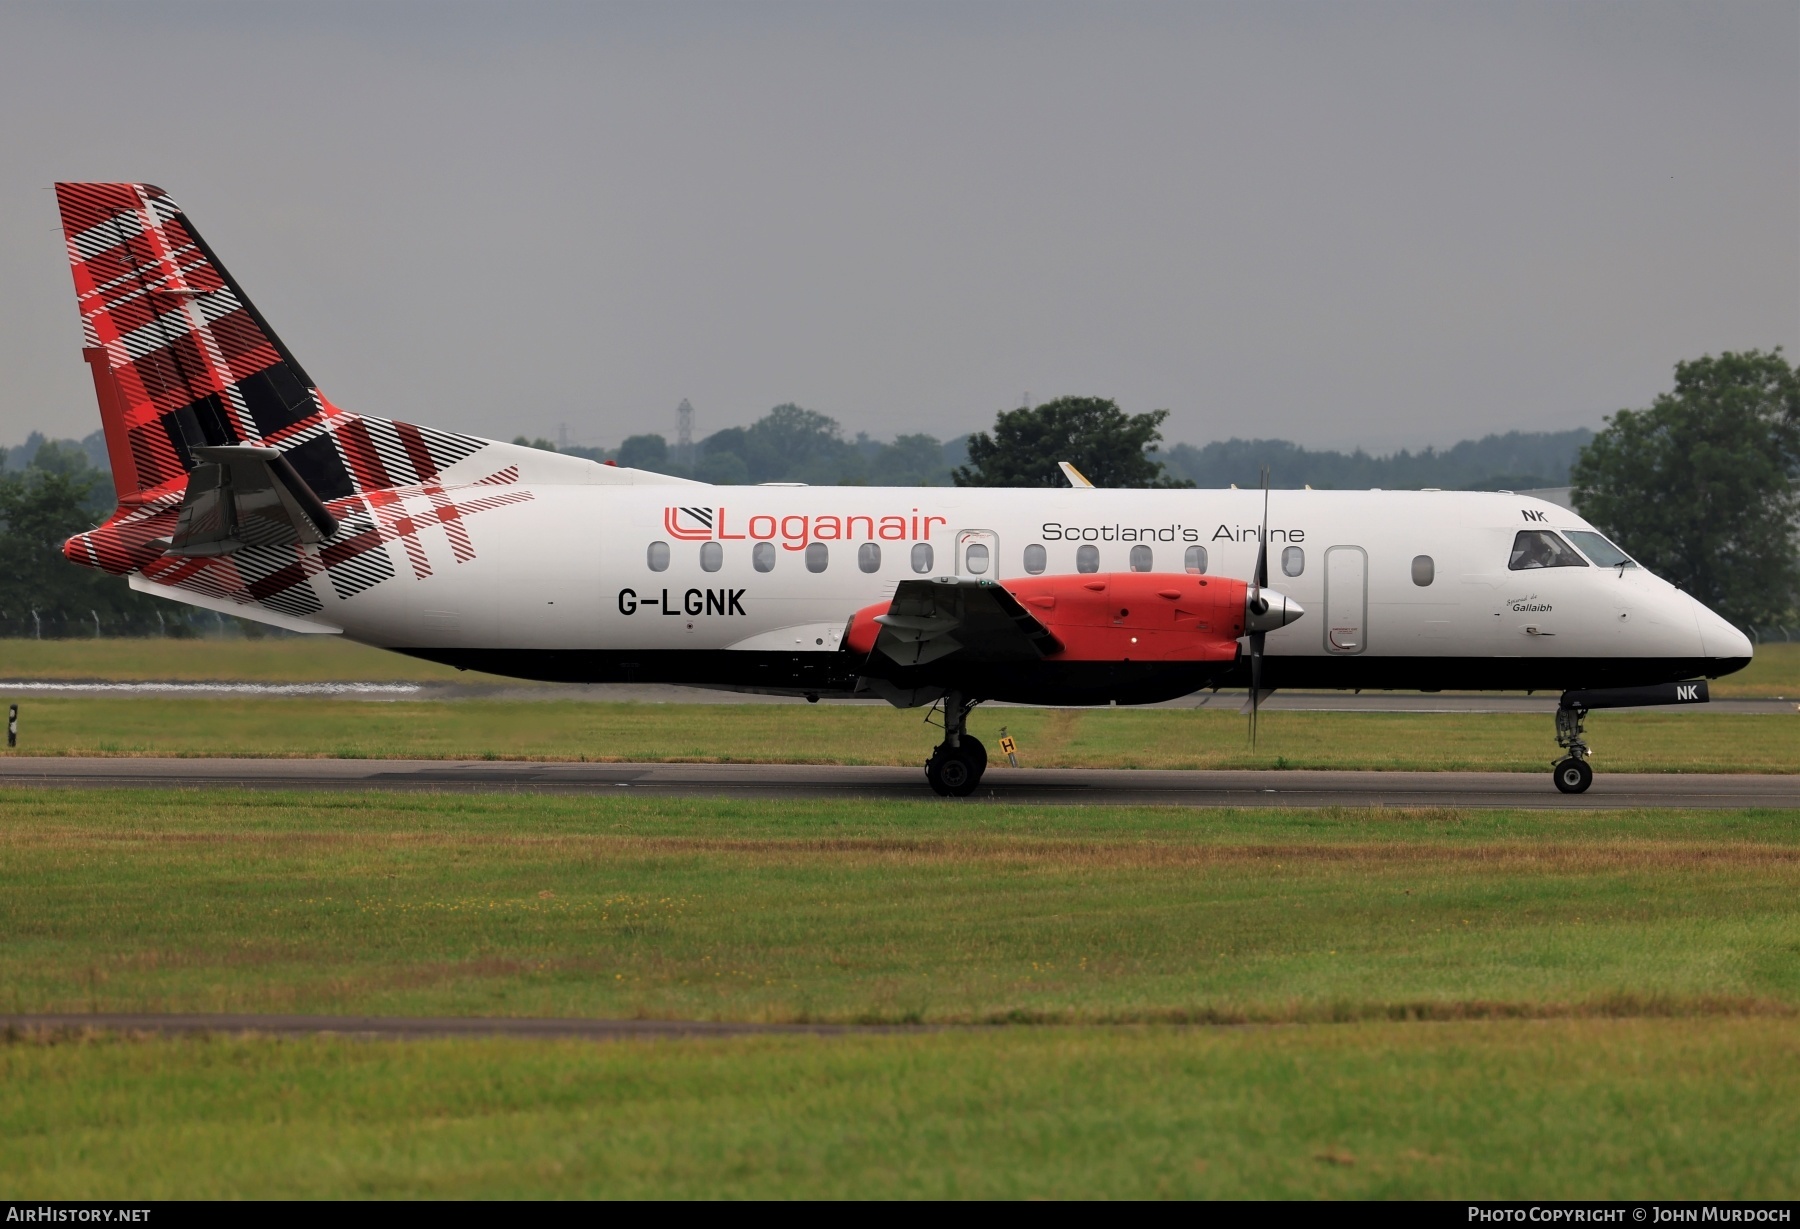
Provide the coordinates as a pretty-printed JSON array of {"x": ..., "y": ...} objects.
[{"x": 1117, "y": 616}]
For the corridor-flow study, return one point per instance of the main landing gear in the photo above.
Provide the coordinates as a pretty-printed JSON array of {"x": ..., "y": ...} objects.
[
  {"x": 955, "y": 767},
  {"x": 1572, "y": 773}
]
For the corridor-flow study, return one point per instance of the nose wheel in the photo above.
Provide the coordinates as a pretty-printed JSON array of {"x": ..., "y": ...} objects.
[
  {"x": 955, "y": 767},
  {"x": 1572, "y": 773},
  {"x": 1573, "y": 776}
]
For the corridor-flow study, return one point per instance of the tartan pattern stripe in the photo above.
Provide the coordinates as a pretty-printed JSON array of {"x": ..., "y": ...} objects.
[{"x": 182, "y": 358}]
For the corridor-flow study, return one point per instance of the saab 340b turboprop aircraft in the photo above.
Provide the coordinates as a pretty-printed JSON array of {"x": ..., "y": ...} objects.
[{"x": 242, "y": 489}]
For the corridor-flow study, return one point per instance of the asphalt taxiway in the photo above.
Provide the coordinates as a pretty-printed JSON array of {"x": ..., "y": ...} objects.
[
  {"x": 1032, "y": 786},
  {"x": 660, "y": 693}
]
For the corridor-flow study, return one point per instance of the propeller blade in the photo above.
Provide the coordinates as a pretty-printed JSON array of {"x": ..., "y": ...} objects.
[
  {"x": 1259, "y": 581},
  {"x": 1256, "y": 656}
]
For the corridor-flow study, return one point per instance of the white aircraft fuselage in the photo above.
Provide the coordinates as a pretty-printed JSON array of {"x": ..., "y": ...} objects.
[{"x": 566, "y": 584}]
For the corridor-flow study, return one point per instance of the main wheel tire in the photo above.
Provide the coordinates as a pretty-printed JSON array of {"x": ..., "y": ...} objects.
[
  {"x": 953, "y": 772},
  {"x": 1573, "y": 776},
  {"x": 973, "y": 747}
]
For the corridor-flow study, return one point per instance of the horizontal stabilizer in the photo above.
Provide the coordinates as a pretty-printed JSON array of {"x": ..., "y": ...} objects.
[
  {"x": 242, "y": 495},
  {"x": 239, "y": 610}
]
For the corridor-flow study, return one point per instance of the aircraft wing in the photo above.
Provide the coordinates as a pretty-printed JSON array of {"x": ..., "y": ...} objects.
[{"x": 931, "y": 619}]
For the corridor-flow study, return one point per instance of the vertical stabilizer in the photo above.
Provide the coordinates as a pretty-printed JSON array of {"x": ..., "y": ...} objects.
[
  {"x": 181, "y": 358},
  {"x": 238, "y": 482}
]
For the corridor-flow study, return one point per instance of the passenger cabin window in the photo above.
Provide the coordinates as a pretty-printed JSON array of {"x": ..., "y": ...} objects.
[
  {"x": 818, "y": 557},
  {"x": 1424, "y": 571},
  {"x": 712, "y": 556},
  {"x": 1195, "y": 559},
  {"x": 868, "y": 557},
  {"x": 1087, "y": 559},
  {"x": 762, "y": 556},
  {"x": 1293, "y": 561},
  {"x": 1539, "y": 548},
  {"x": 1036, "y": 559},
  {"x": 1597, "y": 548},
  {"x": 1141, "y": 559},
  {"x": 657, "y": 556},
  {"x": 921, "y": 557},
  {"x": 977, "y": 557}
]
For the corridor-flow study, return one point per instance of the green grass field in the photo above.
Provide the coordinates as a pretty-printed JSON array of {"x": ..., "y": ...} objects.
[
  {"x": 1442, "y": 1003},
  {"x": 300, "y": 659},
  {"x": 1615, "y": 1109},
  {"x": 1643, "y": 741},
  {"x": 281, "y": 659},
  {"x": 888, "y": 912}
]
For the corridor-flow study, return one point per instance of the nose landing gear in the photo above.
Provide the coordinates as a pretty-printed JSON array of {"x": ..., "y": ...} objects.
[
  {"x": 1572, "y": 773},
  {"x": 955, "y": 767}
]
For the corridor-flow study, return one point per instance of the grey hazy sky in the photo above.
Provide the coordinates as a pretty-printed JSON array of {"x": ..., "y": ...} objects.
[{"x": 1341, "y": 223}]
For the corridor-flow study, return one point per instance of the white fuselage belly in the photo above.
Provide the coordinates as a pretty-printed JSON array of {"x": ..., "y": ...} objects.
[{"x": 571, "y": 570}]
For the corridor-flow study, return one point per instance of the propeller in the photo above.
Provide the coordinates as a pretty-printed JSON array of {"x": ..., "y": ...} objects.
[{"x": 1259, "y": 605}]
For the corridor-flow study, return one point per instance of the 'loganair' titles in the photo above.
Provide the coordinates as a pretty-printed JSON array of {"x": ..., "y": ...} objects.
[{"x": 795, "y": 531}]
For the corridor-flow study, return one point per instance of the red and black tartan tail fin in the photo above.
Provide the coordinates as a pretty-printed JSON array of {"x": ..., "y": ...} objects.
[
  {"x": 238, "y": 482},
  {"x": 180, "y": 357}
]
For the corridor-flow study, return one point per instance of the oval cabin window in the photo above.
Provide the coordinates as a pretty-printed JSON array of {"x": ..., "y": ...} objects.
[
  {"x": 818, "y": 557},
  {"x": 921, "y": 557},
  {"x": 712, "y": 556},
  {"x": 762, "y": 556},
  {"x": 657, "y": 556},
  {"x": 1195, "y": 559},
  {"x": 1293, "y": 561},
  {"x": 1424, "y": 571},
  {"x": 1141, "y": 558},
  {"x": 868, "y": 557},
  {"x": 977, "y": 555},
  {"x": 1036, "y": 559},
  {"x": 1087, "y": 559}
]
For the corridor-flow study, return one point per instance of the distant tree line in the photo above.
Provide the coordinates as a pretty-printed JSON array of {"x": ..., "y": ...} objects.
[
  {"x": 57, "y": 493},
  {"x": 1516, "y": 461},
  {"x": 788, "y": 444},
  {"x": 791, "y": 444}
]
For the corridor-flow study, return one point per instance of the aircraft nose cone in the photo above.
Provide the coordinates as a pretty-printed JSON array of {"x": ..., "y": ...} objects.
[
  {"x": 1724, "y": 646},
  {"x": 1279, "y": 611},
  {"x": 1721, "y": 639}
]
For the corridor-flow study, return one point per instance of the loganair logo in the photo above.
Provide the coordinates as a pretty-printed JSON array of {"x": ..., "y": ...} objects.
[
  {"x": 795, "y": 530},
  {"x": 689, "y": 524}
]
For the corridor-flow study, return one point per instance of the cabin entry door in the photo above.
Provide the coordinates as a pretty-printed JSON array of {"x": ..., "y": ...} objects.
[{"x": 1346, "y": 599}]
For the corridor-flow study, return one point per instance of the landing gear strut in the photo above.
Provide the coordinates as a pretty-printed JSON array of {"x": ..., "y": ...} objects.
[
  {"x": 955, "y": 767},
  {"x": 1572, "y": 773}
]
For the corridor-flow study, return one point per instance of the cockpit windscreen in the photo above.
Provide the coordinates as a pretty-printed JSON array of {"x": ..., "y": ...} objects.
[
  {"x": 1539, "y": 548},
  {"x": 1602, "y": 552}
]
